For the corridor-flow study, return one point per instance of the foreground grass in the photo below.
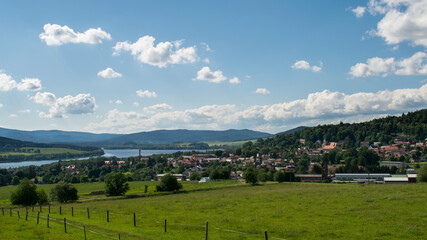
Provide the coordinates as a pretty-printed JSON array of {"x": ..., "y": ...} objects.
[{"x": 285, "y": 211}]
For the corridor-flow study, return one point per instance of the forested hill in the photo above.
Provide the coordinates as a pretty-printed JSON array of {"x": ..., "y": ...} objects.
[
  {"x": 12, "y": 150},
  {"x": 411, "y": 125}
]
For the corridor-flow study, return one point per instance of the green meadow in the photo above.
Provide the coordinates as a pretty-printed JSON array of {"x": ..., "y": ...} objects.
[{"x": 233, "y": 210}]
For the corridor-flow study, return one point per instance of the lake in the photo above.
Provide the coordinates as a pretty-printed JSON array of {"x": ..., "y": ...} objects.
[{"x": 120, "y": 153}]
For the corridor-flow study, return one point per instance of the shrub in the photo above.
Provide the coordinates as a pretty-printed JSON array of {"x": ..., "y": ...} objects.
[
  {"x": 250, "y": 176},
  {"x": 169, "y": 183},
  {"x": 25, "y": 194},
  {"x": 422, "y": 174},
  {"x": 64, "y": 192},
  {"x": 195, "y": 176},
  {"x": 279, "y": 176},
  {"x": 116, "y": 184},
  {"x": 42, "y": 197}
]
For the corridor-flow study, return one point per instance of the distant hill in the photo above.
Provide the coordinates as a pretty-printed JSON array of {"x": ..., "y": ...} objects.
[
  {"x": 55, "y": 136},
  {"x": 12, "y": 150},
  {"x": 153, "y": 137},
  {"x": 292, "y": 130},
  {"x": 182, "y": 135}
]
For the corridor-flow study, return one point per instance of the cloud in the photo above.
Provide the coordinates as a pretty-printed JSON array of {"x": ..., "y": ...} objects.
[
  {"x": 146, "y": 93},
  {"x": 160, "y": 55},
  {"x": 25, "y": 111},
  {"x": 27, "y": 84},
  {"x": 403, "y": 21},
  {"x": 56, "y": 35},
  {"x": 318, "y": 107},
  {"x": 157, "y": 108},
  {"x": 304, "y": 65},
  {"x": 118, "y": 102},
  {"x": 262, "y": 91},
  {"x": 205, "y": 74},
  {"x": 359, "y": 11},
  {"x": 414, "y": 65},
  {"x": 109, "y": 73},
  {"x": 136, "y": 104},
  {"x": 13, "y": 115},
  {"x": 1, "y": 105},
  {"x": 59, "y": 107},
  {"x": 234, "y": 80}
]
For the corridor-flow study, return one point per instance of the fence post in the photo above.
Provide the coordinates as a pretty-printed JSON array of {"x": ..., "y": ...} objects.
[
  {"x": 26, "y": 216},
  {"x": 65, "y": 225},
  {"x": 18, "y": 215},
  {"x": 88, "y": 216},
  {"x": 165, "y": 224},
  {"x": 72, "y": 211},
  {"x": 108, "y": 216},
  {"x": 119, "y": 236},
  {"x": 206, "y": 234},
  {"x": 2, "y": 210},
  {"x": 134, "y": 220},
  {"x": 266, "y": 235},
  {"x": 48, "y": 221},
  {"x": 38, "y": 217},
  {"x": 84, "y": 230}
]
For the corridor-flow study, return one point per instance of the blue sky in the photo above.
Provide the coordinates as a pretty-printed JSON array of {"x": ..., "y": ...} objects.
[{"x": 129, "y": 66}]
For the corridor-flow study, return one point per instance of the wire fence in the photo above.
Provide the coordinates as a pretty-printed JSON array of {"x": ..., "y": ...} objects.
[{"x": 47, "y": 212}]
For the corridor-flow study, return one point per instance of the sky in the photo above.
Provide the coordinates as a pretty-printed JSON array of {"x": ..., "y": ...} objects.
[{"x": 131, "y": 66}]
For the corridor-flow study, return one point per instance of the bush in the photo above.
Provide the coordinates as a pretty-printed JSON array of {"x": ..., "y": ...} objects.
[
  {"x": 250, "y": 176},
  {"x": 64, "y": 192},
  {"x": 26, "y": 193},
  {"x": 279, "y": 176},
  {"x": 116, "y": 184},
  {"x": 168, "y": 183},
  {"x": 42, "y": 197},
  {"x": 195, "y": 176},
  {"x": 422, "y": 174}
]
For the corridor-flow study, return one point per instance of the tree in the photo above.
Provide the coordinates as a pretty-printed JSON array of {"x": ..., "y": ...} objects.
[
  {"x": 195, "y": 176},
  {"x": 317, "y": 169},
  {"x": 169, "y": 183},
  {"x": 64, "y": 192},
  {"x": 422, "y": 174},
  {"x": 250, "y": 176},
  {"x": 279, "y": 176},
  {"x": 42, "y": 197},
  {"x": 116, "y": 184},
  {"x": 15, "y": 180},
  {"x": 26, "y": 193}
]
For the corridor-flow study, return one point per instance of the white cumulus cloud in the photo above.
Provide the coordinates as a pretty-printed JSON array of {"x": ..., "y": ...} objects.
[
  {"x": 118, "y": 102},
  {"x": 234, "y": 80},
  {"x": 27, "y": 84},
  {"x": 56, "y": 35},
  {"x": 318, "y": 107},
  {"x": 157, "y": 108},
  {"x": 262, "y": 91},
  {"x": 60, "y": 107},
  {"x": 109, "y": 73},
  {"x": 359, "y": 11},
  {"x": 205, "y": 74},
  {"x": 304, "y": 65},
  {"x": 160, "y": 55},
  {"x": 146, "y": 93},
  {"x": 403, "y": 21},
  {"x": 414, "y": 65}
]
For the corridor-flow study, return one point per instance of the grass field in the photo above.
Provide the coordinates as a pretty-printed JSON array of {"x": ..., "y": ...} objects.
[
  {"x": 239, "y": 211},
  {"x": 45, "y": 151}
]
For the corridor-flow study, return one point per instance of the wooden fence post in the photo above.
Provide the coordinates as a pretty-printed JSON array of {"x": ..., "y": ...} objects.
[
  {"x": 266, "y": 235},
  {"x": 38, "y": 217},
  {"x": 2, "y": 210},
  {"x": 72, "y": 211},
  {"x": 65, "y": 225},
  {"x": 165, "y": 224},
  {"x": 119, "y": 236},
  {"x": 108, "y": 216},
  {"x": 48, "y": 221},
  {"x": 84, "y": 230},
  {"x": 18, "y": 215},
  {"x": 134, "y": 220},
  {"x": 206, "y": 234},
  {"x": 88, "y": 216},
  {"x": 26, "y": 216}
]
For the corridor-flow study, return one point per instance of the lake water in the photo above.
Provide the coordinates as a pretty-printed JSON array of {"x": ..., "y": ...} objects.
[{"x": 120, "y": 153}]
